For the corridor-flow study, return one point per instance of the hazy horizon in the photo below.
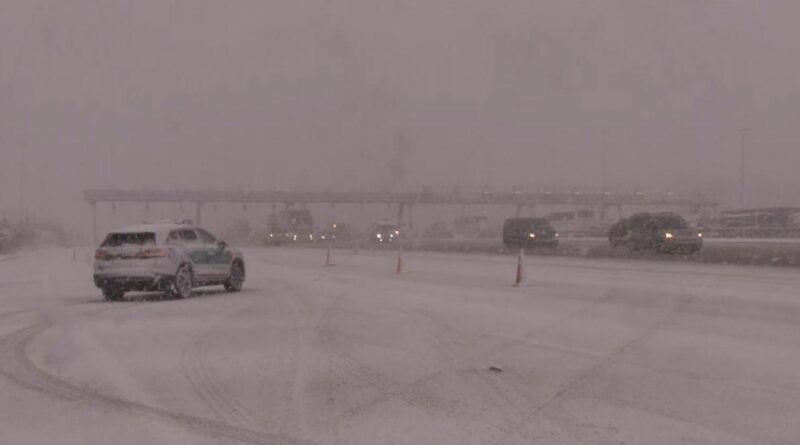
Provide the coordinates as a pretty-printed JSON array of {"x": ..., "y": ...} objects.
[{"x": 382, "y": 95}]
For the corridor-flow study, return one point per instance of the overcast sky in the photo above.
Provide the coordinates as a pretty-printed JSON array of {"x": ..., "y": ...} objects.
[{"x": 323, "y": 93}]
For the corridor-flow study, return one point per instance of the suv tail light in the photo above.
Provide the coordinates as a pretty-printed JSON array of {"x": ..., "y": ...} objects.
[
  {"x": 153, "y": 253},
  {"x": 100, "y": 254}
]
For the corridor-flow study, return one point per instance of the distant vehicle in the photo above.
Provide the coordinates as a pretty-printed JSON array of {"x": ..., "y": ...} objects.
[
  {"x": 168, "y": 257},
  {"x": 660, "y": 232},
  {"x": 386, "y": 233},
  {"x": 290, "y": 226},
  {"x": 335, "y": 232},
  {"x": 528, "y": 233}
]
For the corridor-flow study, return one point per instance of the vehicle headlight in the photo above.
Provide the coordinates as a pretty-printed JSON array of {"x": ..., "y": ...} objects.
[
  {"x": 378, "y": 235},
  {"x": 396, "y": 232},
  {"x": 699, "y": 235},
  {"x": 668, "y": 235},
  {"x": 531, "y": 235}
]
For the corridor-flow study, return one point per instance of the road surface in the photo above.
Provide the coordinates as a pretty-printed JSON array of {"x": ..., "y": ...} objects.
[{"x": 586, "y": 352}]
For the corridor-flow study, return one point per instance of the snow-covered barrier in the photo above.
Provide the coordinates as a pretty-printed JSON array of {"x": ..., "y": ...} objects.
[{"x": 719, "y": 251}]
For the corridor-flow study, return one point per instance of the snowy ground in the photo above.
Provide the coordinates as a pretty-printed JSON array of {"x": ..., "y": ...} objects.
[{"x": 591, "y": 351}]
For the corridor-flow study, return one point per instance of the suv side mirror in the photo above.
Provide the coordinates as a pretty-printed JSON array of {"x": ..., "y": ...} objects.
[{"x": 222, "y": 244}]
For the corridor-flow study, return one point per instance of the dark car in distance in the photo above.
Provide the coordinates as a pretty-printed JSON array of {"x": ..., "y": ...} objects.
[
  {"x": 336, "y": 232},
  {"x": 523, "y": 233},
  {"x": 291, "y": 226},
  {"x": 385, "y": 233},
  {"x": 660, "y": 232}
]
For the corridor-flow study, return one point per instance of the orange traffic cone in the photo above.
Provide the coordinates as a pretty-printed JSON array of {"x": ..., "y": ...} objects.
[
  {"x": 399, "y": 260},
  {"x": 519, "y": 278}
]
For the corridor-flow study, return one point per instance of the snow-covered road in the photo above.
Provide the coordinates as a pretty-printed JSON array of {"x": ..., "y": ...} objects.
[{"x": 590, "y": 352}]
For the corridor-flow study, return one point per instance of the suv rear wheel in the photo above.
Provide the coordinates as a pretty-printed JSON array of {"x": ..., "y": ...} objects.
[
  {"x": 112, "y": 293},
  {"x": 182, "y": 287}
]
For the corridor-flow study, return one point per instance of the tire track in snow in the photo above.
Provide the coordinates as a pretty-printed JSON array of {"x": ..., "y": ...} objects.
[
  {"x": 415, "y": 395},
  {"x": 203, "y": 382},
  {"x": 15, "y": 364},
  {"x": 468, "y": 416},
  {"x": 9, "y": 257},
  {"x": 582, "y": 380},
  {"x": 13, "y": 313},
  {"x": 206, "y": 386},
  {"x": 221, "y": 400},
  {"x": 616, "y": 355},
  {"x": 456, "y": 410},
  {"x": 508, "y": 399}
]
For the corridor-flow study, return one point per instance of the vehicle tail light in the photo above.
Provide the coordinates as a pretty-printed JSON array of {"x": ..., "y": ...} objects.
[
  {"x": 100, "y": 254},
  {"x": 153, "y": 253}
]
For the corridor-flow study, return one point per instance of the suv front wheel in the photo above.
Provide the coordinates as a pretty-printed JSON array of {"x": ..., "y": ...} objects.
[{"x": 236, "y": 278}]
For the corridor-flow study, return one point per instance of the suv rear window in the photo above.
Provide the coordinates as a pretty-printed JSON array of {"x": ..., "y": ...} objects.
[{"x": 139, "y": 239}]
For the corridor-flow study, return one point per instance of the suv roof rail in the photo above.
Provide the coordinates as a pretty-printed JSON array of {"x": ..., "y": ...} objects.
[{"x": 170, "y": 221}]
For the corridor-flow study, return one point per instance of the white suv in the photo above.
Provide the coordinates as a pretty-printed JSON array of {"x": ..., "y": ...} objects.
[{"x": 169, "y": 257}]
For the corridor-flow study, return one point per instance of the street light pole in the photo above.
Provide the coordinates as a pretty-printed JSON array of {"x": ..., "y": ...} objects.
[{"x": 742, "y": 136}]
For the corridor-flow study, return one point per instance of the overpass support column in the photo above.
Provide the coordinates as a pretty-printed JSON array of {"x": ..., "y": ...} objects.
[
  {"x": 94, "y": 223},
  {"x": 198, "y": 213},
  {"x": 410, "y": 218},
  {"x": 400, "y": 208},
  {"x": 518, "y": 210},
  {"x": 362, "y": 217}
]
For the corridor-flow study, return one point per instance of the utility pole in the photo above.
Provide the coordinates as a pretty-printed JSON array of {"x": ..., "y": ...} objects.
[
  {"x": 602, "y": 213},
  {"x": 603, "y": 173},
  {"x": 742, "y": 137},
  {"x": 21, "y": 170}
]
